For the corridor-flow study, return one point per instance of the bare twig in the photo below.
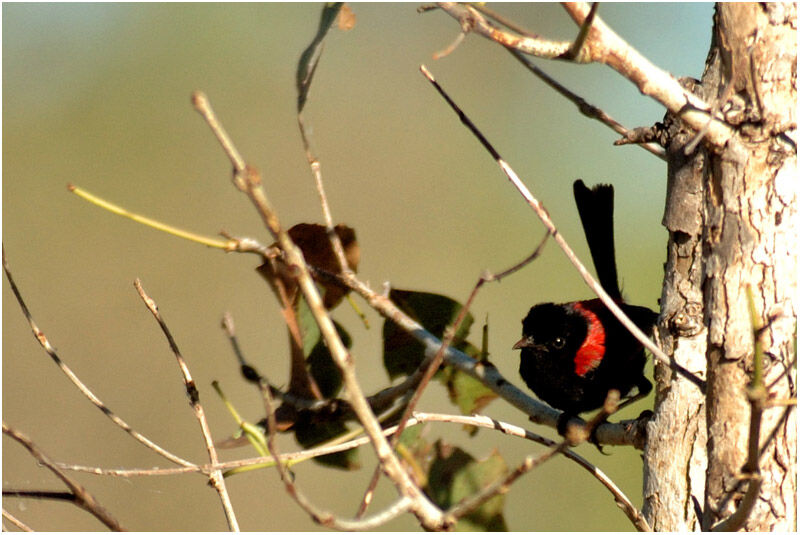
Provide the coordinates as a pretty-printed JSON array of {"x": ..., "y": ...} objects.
[
  {"x": 289, "y": 459},
  {"x": 41, "y": 495},
  {"x": 45, "y": 343},
  {"x": 82, "y": 497},
  {"x": 541, "y": 212},
  {"x": 379, "y": 401},
  {"x": 612, "y": 50},
  {"x": 248, "y": 371},
  {"x": 201, "y": 104},
  {"x": 532, "y": 461},
  {"x": 228, "y": 245},
  {"x": 316, "y": 171},
  {"x": 16, "y": 521},
  {"x": 215, "y": 477},
  {"x": 505, "y": 21},
  {"x": 469, "y": 504},
  {"x": 452, "y": 46},
  {"x": 589, "y": 110}
]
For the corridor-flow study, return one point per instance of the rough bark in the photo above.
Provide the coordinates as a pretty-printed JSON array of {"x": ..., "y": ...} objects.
[
  {"x": 675, "y": 452},
  {"x": 732, "y": 217}
]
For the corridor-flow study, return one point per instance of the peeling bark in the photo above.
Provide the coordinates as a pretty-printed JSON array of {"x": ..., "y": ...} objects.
[{"x": 733, "y": 222}]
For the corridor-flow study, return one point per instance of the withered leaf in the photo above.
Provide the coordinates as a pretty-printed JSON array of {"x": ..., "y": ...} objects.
[
  {"x": 313, "y": 241},
  {"x": 346, "y": 19}
]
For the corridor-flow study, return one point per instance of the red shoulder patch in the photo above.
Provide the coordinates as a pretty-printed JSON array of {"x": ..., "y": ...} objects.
[{"x": 593, "y": 349}]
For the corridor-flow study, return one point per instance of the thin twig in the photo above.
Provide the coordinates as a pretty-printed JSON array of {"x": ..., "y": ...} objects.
[
  {"x": 16, "y": 521},
  {"x": 201, "y": 104},
  {"x": 215, "y": 477},
  {"x": 228, "y": 245},
  {"x": 289, "y": 459},
  {"x": 610, "y": 49},
  {"x": 378, "y": 401},
  {"x": 45, "y": 343},
  {"x": 41, "y": 495},
  {"x": 531, "y": 462},
  {"x": 82, "y": 497},
  {"x": 452, "y": 46},
  {"x": 502, "y": 486},
  {"x": 589, "y": 110},
  {"x": 543, "y": 215},
  {"x": 508, "y": 23},
  {"x": 231, "y": 243},
  {"x": 316, "y": 171}
]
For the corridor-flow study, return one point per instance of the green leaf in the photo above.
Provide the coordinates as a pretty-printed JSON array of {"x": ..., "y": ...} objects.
[
  {"x": 469, "y": 394},
  {"x": 402, "y": 354},
  {"x": 320, "y": 362},
  {"x": 455, "y": 474},
  {"x": 310, "y": 56}
]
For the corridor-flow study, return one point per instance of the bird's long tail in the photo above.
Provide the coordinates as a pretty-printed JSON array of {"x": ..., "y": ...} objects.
[{"x": 596, "y": 208}]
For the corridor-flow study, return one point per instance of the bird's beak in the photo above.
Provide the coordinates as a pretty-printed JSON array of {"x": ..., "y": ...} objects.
[{"x": 526, "y": 341}]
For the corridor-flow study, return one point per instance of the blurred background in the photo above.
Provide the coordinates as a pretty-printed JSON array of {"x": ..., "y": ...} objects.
[{"x": 98, "y": 95}]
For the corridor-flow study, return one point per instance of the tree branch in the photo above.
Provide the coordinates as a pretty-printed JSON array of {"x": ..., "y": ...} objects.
[
  {"x": 603, "y": 45},
  {"x": 215, "y": 477}
]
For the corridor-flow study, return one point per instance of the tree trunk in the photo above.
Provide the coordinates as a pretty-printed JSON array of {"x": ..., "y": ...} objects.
[{"x": 732, "y": 217}]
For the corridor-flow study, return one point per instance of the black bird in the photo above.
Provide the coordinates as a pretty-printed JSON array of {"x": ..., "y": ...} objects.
[{"x": 573, "y": 353}]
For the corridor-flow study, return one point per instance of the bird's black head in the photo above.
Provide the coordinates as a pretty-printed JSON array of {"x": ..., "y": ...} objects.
[{"x": 553, "y": 330}]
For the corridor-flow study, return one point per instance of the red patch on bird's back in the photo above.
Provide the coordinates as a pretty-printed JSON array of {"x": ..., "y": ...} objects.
[{"x": 591, "y": 352}]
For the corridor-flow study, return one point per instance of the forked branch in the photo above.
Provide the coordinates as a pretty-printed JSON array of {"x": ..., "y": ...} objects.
[{"x": 603, "y": 45}]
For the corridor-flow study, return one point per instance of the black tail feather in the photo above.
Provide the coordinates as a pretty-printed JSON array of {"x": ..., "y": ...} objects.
[{"x": 596, "y": 208}]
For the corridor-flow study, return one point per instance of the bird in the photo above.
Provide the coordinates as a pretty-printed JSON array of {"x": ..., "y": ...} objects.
[{"x": 572, "y": 354}]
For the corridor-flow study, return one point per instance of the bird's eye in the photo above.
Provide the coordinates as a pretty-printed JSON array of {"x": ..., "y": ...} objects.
[{"x": 559, "y": 343}]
